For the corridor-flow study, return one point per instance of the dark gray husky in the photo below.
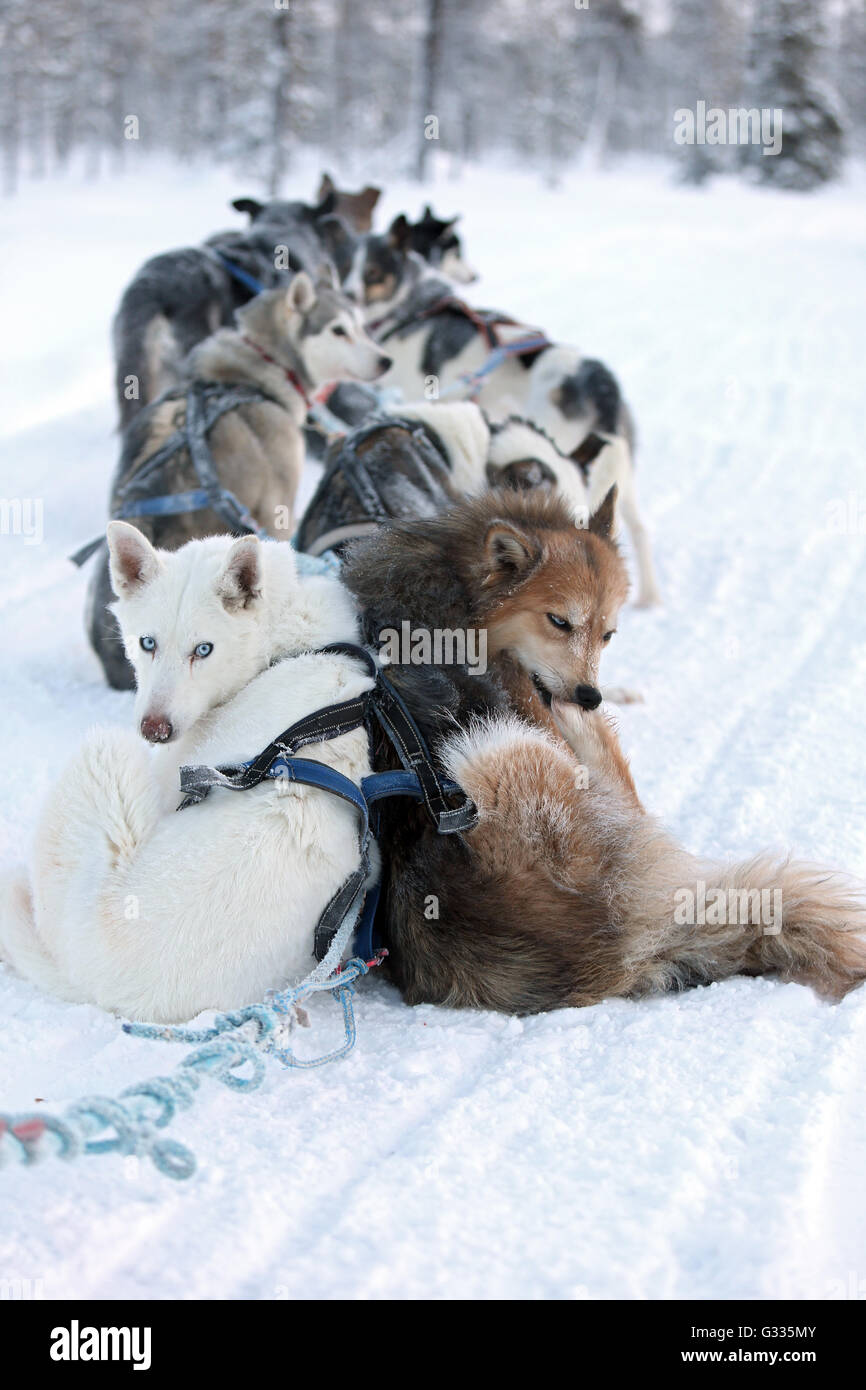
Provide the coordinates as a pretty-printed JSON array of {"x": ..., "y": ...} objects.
[{"x": 180, "y": 297}]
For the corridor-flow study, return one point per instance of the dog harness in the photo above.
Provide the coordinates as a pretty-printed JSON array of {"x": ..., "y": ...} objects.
[
  {"x": 485, "y": 321},
  {"x": 206, "y": 402},
  {"x": 237, "y": 272},
  {"x": 418, "y": 779},
  {"x": 372, "y": 481}
]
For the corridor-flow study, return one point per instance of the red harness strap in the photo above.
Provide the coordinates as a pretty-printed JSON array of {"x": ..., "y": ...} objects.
[
  {"x": 291, "y": 376},
  {"x": 486, "y": 324}
]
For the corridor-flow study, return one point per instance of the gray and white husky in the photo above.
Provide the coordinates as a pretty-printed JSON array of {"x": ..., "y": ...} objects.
[
  {"x": 437, "y": 342},
  {"x": 285, "y": 343},
  {"x": 177, "y": 298}
]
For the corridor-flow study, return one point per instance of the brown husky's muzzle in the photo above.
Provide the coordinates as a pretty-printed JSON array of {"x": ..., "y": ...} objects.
[{"x": 587, "y": 696}]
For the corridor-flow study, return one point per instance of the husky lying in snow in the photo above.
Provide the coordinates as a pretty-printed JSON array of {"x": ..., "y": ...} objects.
[
  {"x": 155, "y": 913},
  {"x": 566, "y": 892},
  {"x": 286, "y": 343},
  {"x": 425, "y": 457},
  {"x": 433, "y": 336}
]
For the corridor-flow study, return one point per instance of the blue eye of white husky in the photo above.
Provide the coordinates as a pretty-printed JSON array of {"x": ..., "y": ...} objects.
[
  {"x": 147, "y": 644},
  {"x": 203, "y": 649}
]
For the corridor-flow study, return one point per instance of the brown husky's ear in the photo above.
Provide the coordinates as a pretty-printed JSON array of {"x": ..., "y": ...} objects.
[
  {"x": 367, "y": 200},
  {"x": 326, "y": 187},
  {"x": 399, "y": 232},
  {"x": 240, "y": 580},
  {"x": 588, "y": 450},
  {"x": 602, "y": 519},
  {"x": 510, "y": 552},
  {"x": 132, "y": 560},
  {"x": 250, "y": 205}
]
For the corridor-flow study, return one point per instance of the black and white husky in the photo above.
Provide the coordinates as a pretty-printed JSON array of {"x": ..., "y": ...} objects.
[
  {"x": 439, "y": 344},
  {"x": 436, "y": 242}
]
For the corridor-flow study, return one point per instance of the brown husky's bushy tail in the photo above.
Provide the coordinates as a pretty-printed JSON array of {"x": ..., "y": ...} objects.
[
  {"x": 578, "y": 895},
  {"x": 769, "y": 915}
]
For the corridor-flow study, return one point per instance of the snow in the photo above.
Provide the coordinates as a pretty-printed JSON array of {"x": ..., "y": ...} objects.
[{"x": 706, "y": 1145}]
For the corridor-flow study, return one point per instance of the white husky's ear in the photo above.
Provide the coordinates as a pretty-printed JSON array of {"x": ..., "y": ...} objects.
[
  {"x": 301, "y": 296},
  {"x": 239, "y": 582},
  {"x": 133, "y": 562}
]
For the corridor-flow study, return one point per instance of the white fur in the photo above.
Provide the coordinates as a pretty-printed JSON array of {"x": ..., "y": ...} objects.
[
  {"x": 465, "y": 435},
  {"x": 518, "y": 440},
  {"x": 159, "y": 914},
  {"x": 455, "y": 268},
  {"x": 471, "y": 446}
]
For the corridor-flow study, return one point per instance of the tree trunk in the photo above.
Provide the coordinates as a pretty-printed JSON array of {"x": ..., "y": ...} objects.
[
  {"x": 432, "y": 58},
  {"x": 281, "y": 101}
]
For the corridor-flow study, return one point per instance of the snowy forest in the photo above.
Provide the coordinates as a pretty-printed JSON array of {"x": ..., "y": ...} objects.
[{"x": 377, "y": 87}]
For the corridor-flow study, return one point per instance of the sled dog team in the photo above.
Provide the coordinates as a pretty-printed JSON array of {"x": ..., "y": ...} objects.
[{"x": 490, "y": 502}]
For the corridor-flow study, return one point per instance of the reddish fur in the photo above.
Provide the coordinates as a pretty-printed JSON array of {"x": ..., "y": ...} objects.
[{"x": 564, "y": 893}]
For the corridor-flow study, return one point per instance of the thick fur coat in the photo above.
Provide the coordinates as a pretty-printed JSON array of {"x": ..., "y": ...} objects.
[
  {"x": 157, "y": 913},
  {"x": 567, "y": 892}
]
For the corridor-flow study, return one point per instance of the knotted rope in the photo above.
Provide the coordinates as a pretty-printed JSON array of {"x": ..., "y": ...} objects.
[{"x": 230, "y": 1052}]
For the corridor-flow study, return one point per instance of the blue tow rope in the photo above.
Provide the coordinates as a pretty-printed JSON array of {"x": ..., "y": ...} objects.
[{"x": 229, "y": 1052}]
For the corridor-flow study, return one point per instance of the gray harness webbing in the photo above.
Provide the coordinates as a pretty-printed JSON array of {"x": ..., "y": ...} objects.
[{"x": 206, "y": 403}]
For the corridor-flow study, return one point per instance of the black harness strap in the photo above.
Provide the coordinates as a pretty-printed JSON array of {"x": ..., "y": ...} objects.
[
  {"x": 318, "y": 727},
  {"x": 390, "y": 710},
  {"x": 407, "y": 740},
  {"x": 210, "y": 401},
  {"x": 394, "y": 717}
]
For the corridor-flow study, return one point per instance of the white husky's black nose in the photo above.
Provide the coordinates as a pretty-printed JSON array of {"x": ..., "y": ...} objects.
[
  {"x": 384, "y": 363},
  {"x": 587, "y": 696}
]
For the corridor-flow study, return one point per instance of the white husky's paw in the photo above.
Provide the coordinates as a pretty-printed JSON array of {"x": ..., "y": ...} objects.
[
  {"x": 621, "y": 695},
  {"x": 649, "y": 596}
]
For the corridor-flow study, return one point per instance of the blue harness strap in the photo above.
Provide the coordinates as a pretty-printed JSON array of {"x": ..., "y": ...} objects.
[
  {"x": 418, "y": 779},
  {"x": 206, "y": 403},
  {"x": 238, "y": 273}
]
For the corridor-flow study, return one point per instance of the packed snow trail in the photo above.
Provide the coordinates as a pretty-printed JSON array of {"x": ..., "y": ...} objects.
[{"x": 710, "y": 1144}]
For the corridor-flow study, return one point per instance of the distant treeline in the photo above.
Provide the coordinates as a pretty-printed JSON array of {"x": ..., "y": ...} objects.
[{"x": 376, "y": 85}]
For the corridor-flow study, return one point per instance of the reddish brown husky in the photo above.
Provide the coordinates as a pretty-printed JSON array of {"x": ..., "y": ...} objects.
[{"x": 567, "y": 892}]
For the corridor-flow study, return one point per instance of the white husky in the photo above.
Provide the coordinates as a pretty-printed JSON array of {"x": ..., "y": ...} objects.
[{"x": 158, "y": 913}]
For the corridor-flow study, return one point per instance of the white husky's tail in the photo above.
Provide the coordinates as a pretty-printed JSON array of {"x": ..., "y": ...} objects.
[
  {"x": 102, "y": 809},
  {"x": 20, "y": 945}
]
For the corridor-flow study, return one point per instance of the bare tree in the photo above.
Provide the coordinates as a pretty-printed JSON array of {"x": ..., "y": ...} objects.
[{"x": 430, "y": 67}]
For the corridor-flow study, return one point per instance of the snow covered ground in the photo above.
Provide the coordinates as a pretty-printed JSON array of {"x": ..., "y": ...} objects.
[{"x": 708, "y": 1145}]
